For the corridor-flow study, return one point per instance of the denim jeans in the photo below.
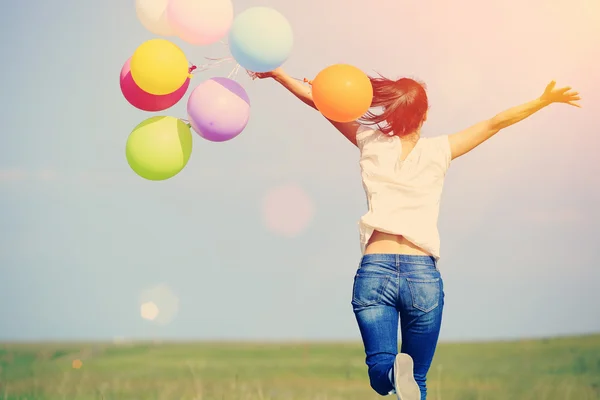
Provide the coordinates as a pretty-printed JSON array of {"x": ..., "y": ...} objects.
[{"x": 389, "y": 288}]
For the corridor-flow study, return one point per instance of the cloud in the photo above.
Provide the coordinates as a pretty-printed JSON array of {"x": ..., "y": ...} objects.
[
  {"x": 47, "y": 175},
  {"x": 19, "y": 174},
  {"x": 12, "y": 175}
]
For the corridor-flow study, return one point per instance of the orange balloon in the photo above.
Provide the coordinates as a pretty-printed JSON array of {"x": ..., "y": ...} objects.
[{"x": 342, "y": 93}]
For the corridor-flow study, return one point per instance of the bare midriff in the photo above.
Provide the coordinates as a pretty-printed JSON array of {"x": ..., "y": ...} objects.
[{"x": 386, "y": 243}]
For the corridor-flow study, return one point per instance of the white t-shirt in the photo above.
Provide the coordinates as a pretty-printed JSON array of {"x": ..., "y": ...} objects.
[{"x": 403, "y": 196}]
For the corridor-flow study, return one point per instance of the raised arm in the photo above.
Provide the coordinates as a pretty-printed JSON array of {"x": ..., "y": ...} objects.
[
  {"x": 466, "y": 140},
  {"x": 303, "y": 92}
]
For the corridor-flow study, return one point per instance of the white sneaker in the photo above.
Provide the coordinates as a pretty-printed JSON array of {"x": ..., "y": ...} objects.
[{"x": 404, "y": 379}]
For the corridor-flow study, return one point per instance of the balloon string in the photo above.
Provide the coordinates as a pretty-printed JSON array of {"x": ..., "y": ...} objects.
[
  {"x": 213, "y": 63},
  {"x": 219, "y": 59},
  {"x": 234, "y": 72},
  {"x": 305, "y": 80}
]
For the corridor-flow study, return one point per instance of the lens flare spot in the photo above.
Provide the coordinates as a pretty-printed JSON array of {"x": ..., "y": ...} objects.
[
  {"x": 149, "y": 311},
  {"x": 159, "y": 305},
  {"x": 287, "y": 210}
]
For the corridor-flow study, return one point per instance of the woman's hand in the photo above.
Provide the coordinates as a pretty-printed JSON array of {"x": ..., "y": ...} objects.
[
  {"x": 562, "y": 95},
  {"x": 277, "y": 72}
]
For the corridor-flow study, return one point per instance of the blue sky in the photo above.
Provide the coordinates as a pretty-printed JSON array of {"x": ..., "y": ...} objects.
[{"x": 257, "y": 237}]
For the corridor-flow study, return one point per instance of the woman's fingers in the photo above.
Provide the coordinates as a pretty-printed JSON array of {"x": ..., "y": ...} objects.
[
  {"x": 563, "y": 90},
  {"x": 259, "y": 75}
]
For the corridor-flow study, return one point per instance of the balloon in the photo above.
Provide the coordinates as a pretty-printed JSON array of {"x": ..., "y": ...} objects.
[
  {"x": 342, "y": 93},
  {"x": 146, "y": 101},
  {"x": 218, "y": 109},
  {"x": 261, "y": 39},
  {"x": 159, "y": 67},
  {"x": 200, "y": 22},
  {"x": 153, "y": 15},
  {"x": 159, "y": 148}
]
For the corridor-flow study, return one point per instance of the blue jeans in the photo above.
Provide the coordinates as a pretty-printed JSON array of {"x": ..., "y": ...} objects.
[{"x": 392, "y": 287}]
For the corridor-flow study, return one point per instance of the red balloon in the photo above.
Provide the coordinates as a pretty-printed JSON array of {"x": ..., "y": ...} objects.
[{"x": 144, "y": 100}]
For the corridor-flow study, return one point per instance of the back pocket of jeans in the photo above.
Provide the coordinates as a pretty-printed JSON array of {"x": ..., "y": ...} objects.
[
  {"x": 368, "y": 288},
  {"x": 425, "y": 293}
]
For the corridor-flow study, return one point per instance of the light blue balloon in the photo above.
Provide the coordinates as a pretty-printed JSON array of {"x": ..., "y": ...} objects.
[{"x": 260, "y": 39}]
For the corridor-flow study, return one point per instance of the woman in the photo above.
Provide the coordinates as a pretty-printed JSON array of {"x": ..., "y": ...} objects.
[{"x": 403, "y": 176}]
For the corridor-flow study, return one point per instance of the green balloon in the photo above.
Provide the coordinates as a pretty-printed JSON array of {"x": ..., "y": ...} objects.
[{"x": 159, "y": 148}]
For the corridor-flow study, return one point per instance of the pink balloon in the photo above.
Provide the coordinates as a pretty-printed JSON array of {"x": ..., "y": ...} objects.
[{"x": 146, "y": 101}]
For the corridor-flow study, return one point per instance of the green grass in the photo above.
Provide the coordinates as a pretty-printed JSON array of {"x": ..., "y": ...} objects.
[{"x": 552, "y": 369}]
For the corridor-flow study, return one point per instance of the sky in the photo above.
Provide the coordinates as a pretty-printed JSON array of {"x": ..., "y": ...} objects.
[{"x": 256, "y": 239}]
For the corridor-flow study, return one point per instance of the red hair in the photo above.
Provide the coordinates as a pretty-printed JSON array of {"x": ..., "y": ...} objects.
[{"x": 404, "y": 105}]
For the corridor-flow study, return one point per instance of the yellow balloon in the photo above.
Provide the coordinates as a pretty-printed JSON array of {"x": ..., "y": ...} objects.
[{"x": 159, "y": 67}]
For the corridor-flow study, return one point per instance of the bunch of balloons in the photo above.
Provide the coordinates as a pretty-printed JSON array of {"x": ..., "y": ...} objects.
[{"x": 158, "y": 75}]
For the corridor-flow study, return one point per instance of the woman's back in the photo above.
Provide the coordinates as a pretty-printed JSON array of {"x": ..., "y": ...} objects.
[{"x": 403, "y": 194}]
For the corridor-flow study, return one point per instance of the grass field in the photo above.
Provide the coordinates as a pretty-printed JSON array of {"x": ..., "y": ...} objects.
[{"x": 561, "y": 369}]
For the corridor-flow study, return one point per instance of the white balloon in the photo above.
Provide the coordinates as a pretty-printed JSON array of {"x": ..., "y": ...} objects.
[
  {"x": 200, "y": 22},
  {"x": 153, "y": 15}
]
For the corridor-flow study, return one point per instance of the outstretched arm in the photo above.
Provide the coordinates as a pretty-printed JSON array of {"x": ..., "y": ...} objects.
[
  {"x": 303, "y": 92},
  {"x": 466, "y": 140}
]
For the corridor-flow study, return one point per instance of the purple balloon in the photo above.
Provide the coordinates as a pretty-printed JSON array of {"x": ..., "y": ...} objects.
[{"x": 218, "y": 109}]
